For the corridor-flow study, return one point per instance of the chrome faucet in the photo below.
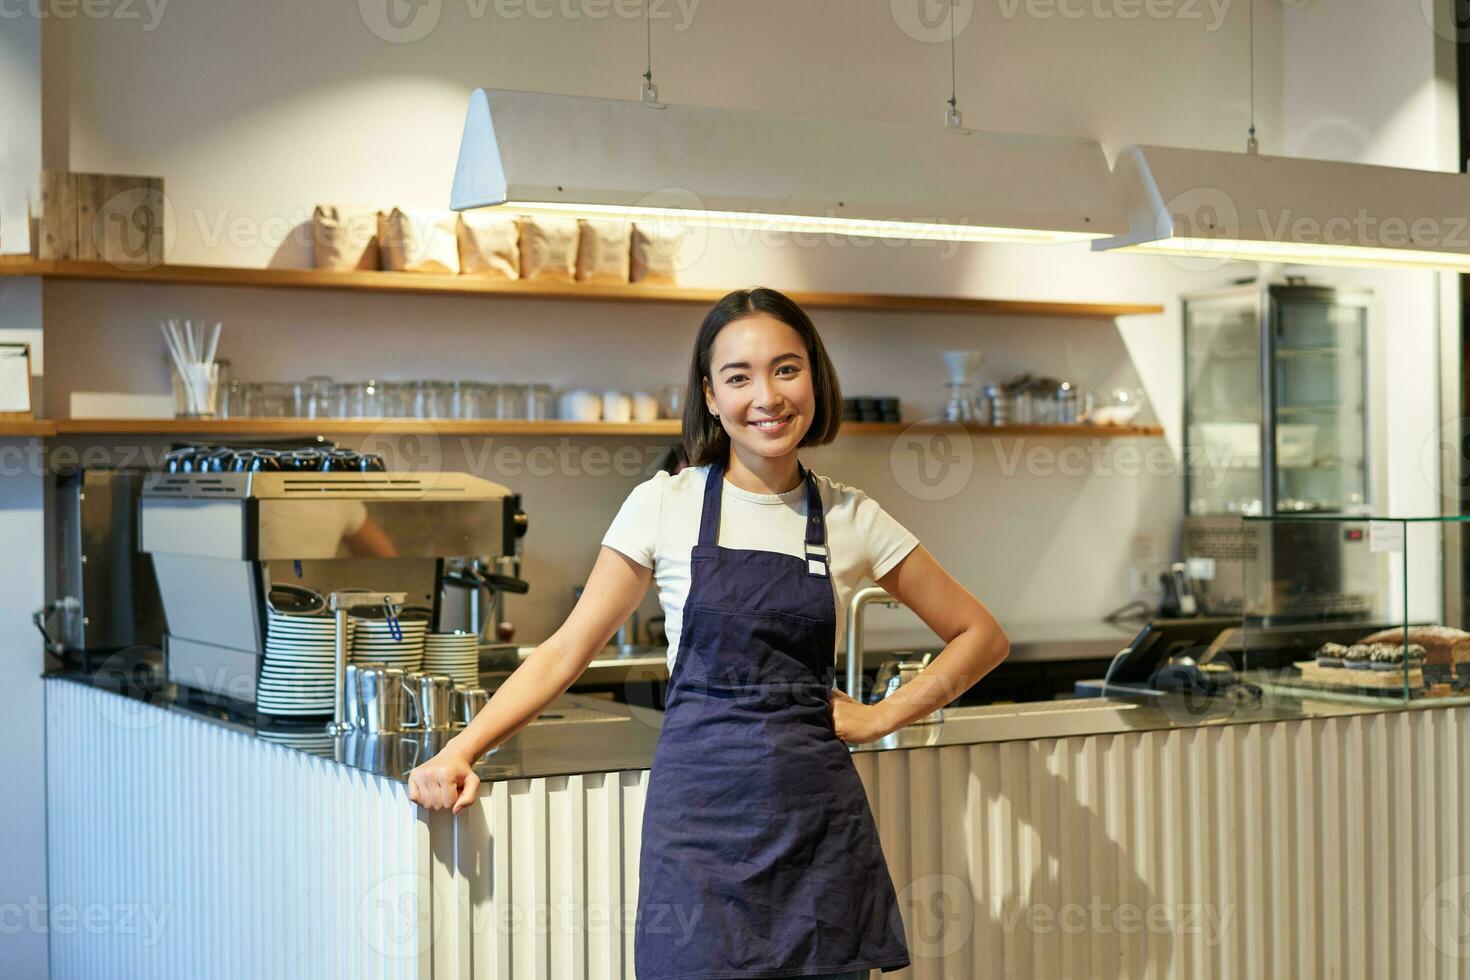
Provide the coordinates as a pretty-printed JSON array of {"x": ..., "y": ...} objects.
[{"x": 860, "y": 600}]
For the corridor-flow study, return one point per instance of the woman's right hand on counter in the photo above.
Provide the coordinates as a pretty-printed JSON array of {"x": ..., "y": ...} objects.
[
  {"x": 445, "y": 781},
  {"x": 613, "y": 590}
]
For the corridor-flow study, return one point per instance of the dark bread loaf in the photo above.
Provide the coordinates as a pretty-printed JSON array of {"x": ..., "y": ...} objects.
[{"x": 1442, "y": 644}]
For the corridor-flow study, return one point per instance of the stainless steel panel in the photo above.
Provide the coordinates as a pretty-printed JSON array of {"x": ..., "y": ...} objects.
[
  {"x": 217, "y": 669},
  {"x": 99, "y": 564},
  {"x": 211, "y": 600},
  {"x": 204, "y": 528},
  {"x": 388, "y": 486},
  {"x": 400, "y": 528},
  {"x": 1273, "y": 571}
]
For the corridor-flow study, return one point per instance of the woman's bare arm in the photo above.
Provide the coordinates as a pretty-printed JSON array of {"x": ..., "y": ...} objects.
[
  {"x": 613, "y": 590},
  {"x": 975, "y": 645}
]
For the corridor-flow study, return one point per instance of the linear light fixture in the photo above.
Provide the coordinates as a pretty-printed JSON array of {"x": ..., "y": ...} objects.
[
  {"x": 1246, "y": 206},
  {"x": 531, "y": 152}
]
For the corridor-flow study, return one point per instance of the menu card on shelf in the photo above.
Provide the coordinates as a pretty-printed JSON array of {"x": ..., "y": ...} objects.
[{"x": 15, "y": 381}]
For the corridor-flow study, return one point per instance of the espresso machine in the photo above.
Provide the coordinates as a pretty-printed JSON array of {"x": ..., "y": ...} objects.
[{"x": 220, "y": 541}]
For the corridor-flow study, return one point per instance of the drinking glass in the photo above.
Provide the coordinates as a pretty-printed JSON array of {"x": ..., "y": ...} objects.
[
  {"x": 317, "y": 397},
  {"x": 274, "y": 400},
  {"x": 540, "y": 401},
  {"x": 512, "y": 402}
]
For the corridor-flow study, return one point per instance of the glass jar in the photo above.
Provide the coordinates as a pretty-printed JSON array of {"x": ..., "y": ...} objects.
[
  {"x": 423, "y": 399},
  {"x": 393, "y": 399},
  {"x": 540, "y": 401},
  {"x": 1067, "y": 403},
  {"x": 231, "y": 399},
  {"x": 363, "y": 399},
  {"x": 671, "y": 401},
  {"x": 274, "y": 400},
  {"x": 488, "y": 398},
  {"x": 317, "y": 397},
  {"x": 341, "y": 403},
  {"x": 454, "y": 396},
  {"x": 960, "y": 404},
  {"x": 512, "y": 402}
]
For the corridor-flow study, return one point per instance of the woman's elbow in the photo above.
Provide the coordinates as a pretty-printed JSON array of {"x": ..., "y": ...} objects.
[{"x": 997, "y": 647}]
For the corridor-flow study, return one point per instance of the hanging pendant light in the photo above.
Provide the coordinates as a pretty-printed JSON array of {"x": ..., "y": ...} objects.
[
  {"x": 1248, "y": 207},
  {"x": 1232, "y": 206},
  {"x": 536, "y": 153}
]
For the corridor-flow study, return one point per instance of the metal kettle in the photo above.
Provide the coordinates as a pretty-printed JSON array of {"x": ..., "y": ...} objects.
[{"x": 893, "y": 674}]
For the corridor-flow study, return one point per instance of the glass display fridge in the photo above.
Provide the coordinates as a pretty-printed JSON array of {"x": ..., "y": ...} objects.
[
  {"x": 1383, "y": 654},
  {"x": 1276, "y": 423}
]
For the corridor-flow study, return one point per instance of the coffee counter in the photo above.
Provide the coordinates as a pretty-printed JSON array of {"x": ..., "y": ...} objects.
[
  {"x": 582, "y": 735},
  {"x": 1004, "y": 818}
]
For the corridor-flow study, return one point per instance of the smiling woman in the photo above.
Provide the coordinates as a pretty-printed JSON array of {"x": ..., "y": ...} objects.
[{"x": 759, "y": 853}]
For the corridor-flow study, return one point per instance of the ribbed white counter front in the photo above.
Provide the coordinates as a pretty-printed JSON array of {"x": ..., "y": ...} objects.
[{"x": 1334, "y": 844}]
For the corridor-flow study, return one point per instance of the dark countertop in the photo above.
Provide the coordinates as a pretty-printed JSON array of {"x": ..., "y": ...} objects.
[{"x": 581, "y": 734}]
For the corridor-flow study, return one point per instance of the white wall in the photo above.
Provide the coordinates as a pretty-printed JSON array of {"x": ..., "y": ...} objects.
[
  {"x": 20, "y": 136},
  {"x": 22, "y": 572}
]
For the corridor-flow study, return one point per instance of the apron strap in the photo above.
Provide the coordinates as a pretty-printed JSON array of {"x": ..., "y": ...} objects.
[
  {"x": 817, "y": 558},
  {"x": 709, "y": 518}
]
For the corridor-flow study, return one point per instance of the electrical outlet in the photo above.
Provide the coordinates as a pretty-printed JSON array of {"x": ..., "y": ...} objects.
[
  {"x": 1146, "y": 548},
  {"x": 1143, "y": 582}
]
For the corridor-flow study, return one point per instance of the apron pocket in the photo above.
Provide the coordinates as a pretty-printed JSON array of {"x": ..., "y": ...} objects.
[{"x": 762, "y": 656}]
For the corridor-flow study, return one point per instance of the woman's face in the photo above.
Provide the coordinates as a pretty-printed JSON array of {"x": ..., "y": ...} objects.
[{"x": 760, "y": 383}]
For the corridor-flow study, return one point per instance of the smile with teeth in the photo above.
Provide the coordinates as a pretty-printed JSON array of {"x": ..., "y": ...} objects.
[{"x": 771, "y": 423}]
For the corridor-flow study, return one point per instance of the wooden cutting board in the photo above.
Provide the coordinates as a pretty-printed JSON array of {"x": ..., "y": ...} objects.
[{"x": 1344, "y": 677}]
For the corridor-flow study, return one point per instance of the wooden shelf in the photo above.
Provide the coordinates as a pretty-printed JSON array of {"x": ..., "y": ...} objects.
[
  {"x": 407, "y": 282},
  {"x": 27, "y": 427},
  {"x": 493, "y": 427}
]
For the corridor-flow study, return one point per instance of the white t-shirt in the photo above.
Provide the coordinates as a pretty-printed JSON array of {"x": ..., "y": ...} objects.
[{"x": 659, "y": 524}]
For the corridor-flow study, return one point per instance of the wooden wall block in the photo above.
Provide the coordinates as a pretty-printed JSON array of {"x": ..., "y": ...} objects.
[
  {"x": 119, "y": 219},
  {"x": 89, "y": 189},
  {"x": 58, "y": 239}
]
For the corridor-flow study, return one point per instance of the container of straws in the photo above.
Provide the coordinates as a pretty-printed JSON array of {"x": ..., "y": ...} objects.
[{"x": 191, "y": 349}]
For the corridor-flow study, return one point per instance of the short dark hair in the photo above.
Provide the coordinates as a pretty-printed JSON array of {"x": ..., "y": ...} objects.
[{"x": 705, "y": 439}]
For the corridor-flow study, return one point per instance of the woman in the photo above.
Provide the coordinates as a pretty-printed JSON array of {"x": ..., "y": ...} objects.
[{"x": 760, "y": 857}]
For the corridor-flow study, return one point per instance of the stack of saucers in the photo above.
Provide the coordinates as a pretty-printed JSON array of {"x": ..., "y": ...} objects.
[
  {"x": 373, "y": 637},
  {"x": 456, "y": 654},
  {"x": 296, "y": 676},
  {"x": 308, "y": 739}
]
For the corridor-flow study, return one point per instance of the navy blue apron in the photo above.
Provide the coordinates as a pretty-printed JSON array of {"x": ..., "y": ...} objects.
[{"x": 760, "y": 854}]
